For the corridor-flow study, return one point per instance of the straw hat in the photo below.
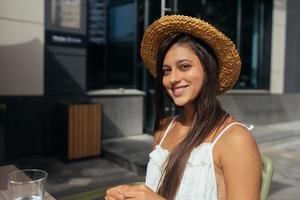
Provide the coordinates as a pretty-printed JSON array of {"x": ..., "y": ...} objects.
[{"x": 228, "y": 57}]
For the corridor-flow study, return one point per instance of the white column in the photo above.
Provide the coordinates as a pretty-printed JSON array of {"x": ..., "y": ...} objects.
[
  {"x": 278, "y": 46},
  {"x": 162, "y": 7}
]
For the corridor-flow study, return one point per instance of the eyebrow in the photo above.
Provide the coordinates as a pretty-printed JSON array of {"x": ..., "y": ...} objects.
[
  {"x": 183, "y": 60},
  {"x": 179, "y": 61}
]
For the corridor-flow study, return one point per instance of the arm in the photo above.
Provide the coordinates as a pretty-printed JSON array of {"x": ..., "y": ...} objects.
[
  {"x": 133, "y": 192},
  {"x": 141, "y": 192},
  {"x": 115, "y": 193},
  {"x": 241, "y": 164}
]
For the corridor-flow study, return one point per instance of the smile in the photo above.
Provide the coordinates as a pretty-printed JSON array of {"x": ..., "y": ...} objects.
[{"x": 179, "y": 90}]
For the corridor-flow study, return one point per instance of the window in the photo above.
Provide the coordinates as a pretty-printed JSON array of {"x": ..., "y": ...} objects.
[
  {"x": 248, "y": 24},
  {"x": 111, "y": 53}
]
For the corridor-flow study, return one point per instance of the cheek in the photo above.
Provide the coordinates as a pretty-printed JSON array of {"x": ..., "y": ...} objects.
[
  {"x": 199, "y": 81},
  {"x": 166, "y": 86},
  {"x": 165, "y": 82}
]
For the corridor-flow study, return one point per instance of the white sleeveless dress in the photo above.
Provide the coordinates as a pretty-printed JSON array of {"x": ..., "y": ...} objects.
[{"x": 199, "y": 180}]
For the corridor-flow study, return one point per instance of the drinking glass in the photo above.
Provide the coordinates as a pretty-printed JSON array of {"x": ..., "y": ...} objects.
[{"x": 28, "y": 184}]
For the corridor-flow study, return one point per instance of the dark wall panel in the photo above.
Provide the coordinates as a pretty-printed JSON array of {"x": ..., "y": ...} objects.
[
  {"x": 65, "y": 73},
  {"x": 29, "y": 125},
  {"x": 23, "y": 123}
]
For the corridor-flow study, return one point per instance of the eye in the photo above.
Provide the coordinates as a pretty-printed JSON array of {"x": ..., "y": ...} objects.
[
  {"x": 166, "y": 70},
  {"x": 184, "y": 66}
]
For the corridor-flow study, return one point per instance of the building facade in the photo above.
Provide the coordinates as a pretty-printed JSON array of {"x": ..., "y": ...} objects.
[{"x": 88, "y": 51}]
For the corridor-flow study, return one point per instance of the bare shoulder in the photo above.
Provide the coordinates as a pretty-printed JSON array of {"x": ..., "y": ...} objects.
[
  {"x": 159, "y": 133},
  {"x": 236, "y": 145},
  {"x": 237, "y": 141},
  {"x": 238, "y": 136},
  {"x": 237, "y": 153}
]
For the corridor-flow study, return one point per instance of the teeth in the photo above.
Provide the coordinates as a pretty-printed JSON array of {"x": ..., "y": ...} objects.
[{"x": 178, "y": 91}]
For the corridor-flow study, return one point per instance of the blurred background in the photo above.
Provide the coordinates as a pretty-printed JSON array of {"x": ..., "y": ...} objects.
[{"x": 73, "y": 88}]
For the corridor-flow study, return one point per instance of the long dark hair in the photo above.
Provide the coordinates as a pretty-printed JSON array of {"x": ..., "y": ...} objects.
[{"x": 208, "y": 114}]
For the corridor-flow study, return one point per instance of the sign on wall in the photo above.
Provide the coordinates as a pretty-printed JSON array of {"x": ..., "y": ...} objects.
[
  {"x": 66, "y": 23},
  {"x": 66, "y": 13}
]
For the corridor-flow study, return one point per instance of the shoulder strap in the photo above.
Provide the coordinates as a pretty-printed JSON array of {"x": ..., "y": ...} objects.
[
  {"x": 167, "y": 130},
  {"x": 227, "y": 127}
]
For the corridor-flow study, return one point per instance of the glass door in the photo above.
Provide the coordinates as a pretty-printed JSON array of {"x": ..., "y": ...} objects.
[{"x": 111, "y": 45}]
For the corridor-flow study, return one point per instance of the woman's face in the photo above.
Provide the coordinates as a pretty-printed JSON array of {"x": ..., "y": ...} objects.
[{"x": 183, "y": 74}]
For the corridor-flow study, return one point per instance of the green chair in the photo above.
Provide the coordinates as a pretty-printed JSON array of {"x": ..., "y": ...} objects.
[{"x": 267, "y": 174}]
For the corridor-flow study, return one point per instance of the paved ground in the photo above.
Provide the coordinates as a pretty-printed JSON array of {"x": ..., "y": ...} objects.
[
  {"x": 281, "y": 142},
  {"x": 286, "y": 156}
]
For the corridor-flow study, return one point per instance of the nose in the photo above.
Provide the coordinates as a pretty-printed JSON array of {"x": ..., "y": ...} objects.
[{"x": 175, "y": 76}]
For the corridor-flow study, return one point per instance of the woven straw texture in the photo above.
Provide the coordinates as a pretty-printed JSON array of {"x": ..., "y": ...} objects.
[{"x": 226, "y": 52}]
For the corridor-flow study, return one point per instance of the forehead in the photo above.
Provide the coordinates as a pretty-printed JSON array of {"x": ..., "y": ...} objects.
[
  {"x": 180, "y": 50},
  {"x": 183, "y": 45}
]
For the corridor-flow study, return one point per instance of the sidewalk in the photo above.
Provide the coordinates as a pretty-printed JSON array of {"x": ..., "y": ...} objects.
[
  {"x": 286, "y": 156},
  {"x": 281, "y": 142}
]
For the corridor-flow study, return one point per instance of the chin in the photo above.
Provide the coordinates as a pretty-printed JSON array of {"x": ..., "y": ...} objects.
[{"x": 180, "y": 103}]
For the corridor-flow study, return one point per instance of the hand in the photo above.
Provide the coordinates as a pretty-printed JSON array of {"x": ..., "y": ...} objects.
[
  {"x": 116, "y": 193},
  {"x": 140, "y": 192}
]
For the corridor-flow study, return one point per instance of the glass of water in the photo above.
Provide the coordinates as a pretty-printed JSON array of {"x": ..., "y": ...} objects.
[{"x": 28, "y": 184}]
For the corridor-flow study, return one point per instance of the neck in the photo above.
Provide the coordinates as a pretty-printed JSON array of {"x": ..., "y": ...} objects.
[{"x": 188, "y": 114}]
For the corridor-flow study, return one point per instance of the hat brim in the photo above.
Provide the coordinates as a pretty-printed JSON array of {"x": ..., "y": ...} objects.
[{"x": 228, "y": 57}]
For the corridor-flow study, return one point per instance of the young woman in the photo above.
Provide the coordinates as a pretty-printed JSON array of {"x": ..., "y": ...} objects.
[{"x": 203, "y": 153}]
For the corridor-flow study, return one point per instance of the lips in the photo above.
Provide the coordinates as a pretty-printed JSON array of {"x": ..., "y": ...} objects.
[{"x": 178, "y": 91}]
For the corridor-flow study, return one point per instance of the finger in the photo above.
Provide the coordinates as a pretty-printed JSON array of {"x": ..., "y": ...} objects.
[
  {"x": 109, "y": 198},
  {"x": 122, "y": 188},
  {"x": 133, "y": 193},
  {"x": 117, "y": 197},
  {"x": 140, "y": 187},
  {"x": 115, "y": 193},
  {"x": 138, "y": 192}
]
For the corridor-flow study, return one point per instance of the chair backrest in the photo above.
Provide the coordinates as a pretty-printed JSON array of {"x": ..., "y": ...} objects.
[{"x": 267, "y": 174}]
